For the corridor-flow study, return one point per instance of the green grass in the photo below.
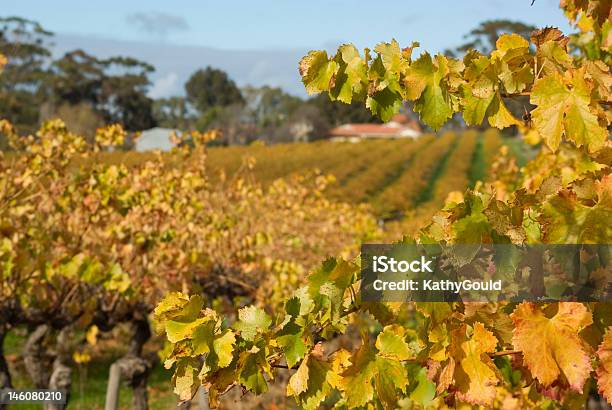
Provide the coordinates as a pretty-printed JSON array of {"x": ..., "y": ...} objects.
[
  {"x": 427, "y": 193},
  {"x": 89, "y": 382},
  {"x": 478, "y": 168}
]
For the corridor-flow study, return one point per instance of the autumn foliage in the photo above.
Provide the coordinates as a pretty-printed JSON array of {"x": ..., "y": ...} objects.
[{"x": 444, "y": 355}]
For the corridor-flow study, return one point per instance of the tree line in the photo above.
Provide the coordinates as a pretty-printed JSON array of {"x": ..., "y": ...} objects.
[{"x": 88, "y": 92}]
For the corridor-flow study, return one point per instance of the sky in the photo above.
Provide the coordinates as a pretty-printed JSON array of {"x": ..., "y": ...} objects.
[{"x": 260, "y": 41}]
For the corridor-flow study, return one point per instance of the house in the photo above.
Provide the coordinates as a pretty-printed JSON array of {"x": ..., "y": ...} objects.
[
  {"x": 400, "y": 126},
  {"x": 153, "y": 139}
]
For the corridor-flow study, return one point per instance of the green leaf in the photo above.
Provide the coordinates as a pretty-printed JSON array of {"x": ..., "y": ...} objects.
[
  {"x": 567, "y": 220},
  {"x": 390, "y": 377},
  {"x": 251, "y": 375},
  {"x": 392, "y": 57},
  {"x": 317, "y": 71},
  {"x": 425, "y": 86},
  {"x": 384, "y": 104},
  {"x": 564, "y": 110},
  {"x": 425, "y": 391},
  {"x": 202, "y": 338},
  {"x": 351, "y": 79},
  {"x": 391, "y": 343},
  {"x": 291, "y": 342},
  {"x": 251, "y": 321},
  {"x": 357, "y": 379},
  {"x": 475, "y": 108},
  {"x": 384, "y": 97},
  {"x": 177, "y": 331},
  {"x": 314, "y": 380}
]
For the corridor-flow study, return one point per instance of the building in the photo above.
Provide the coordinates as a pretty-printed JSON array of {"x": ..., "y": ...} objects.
[
  {"x": 400, "y": 126},
  {"x": 153, "y": 139}
]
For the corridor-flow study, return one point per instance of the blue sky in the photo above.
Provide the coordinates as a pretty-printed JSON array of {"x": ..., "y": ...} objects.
[
  {"x": 287, "y": 27},
  {"x": 283, "y": 23}
]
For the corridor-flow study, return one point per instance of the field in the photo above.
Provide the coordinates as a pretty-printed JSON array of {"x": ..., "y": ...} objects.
[
  {"x": 404, "y": 181},
  {"x": 401, "y": 183}
]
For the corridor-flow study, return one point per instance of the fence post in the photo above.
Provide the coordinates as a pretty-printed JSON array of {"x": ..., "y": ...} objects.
[
  {"x": 112, "y": 389},
  {"x": 203, "y": 399}
]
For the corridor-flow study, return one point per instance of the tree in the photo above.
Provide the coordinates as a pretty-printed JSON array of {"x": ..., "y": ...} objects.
[
  {"x": 173, "y": 112},
  {"x": 25, "y": 44},
  {"x": 483, "y": 37},
  {"x": 306, "y": 123},
  {"x": 208, "y": 88},
  {"x": 79, "y": 118},
  {"x": 337, "y": 113},
  {"x": 269, "y": 106},
  {"x": 115, "y": 87}
]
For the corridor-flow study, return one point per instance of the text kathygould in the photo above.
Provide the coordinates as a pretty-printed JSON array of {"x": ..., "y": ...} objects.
[{"x": 437, "y": 285}]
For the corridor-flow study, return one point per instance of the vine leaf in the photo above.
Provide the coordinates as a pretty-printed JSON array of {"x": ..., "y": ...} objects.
[
  {"x": 424, "y": 84},
  {"x": 298, "y": 382},
  {"x": 312, "y": 382},
  {"x": 563, "y": 109},
  {"x": 252, "y": 364},
  {"x": 604, "y": 371},
  {"x": 351, "y": 78},
  {"x": 475, "y": 373},
  {"x": 567, "y": 220},
  {"x": 185, "y": 378},
  {"x": 223, "y": 347},
  {"x": 317, "y": 71},
  {"x": 552, "y": 347},
  {"x": 292, "y": 343},
  {"x": 251, "y": 321},
  {"x": 387, "y": 375},
  {"x": 391, "y": 343}
]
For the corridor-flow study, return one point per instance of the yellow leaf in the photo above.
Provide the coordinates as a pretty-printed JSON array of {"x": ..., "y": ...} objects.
[
  {"x": 298, "y": 383},
  {"x": 92, "y": 335},
  {"x": 474, "y": 373},
  {"x": 552, "y": 347},
  {"x": 604, "y": 371}
]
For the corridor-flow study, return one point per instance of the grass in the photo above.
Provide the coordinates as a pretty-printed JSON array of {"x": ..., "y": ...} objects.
[
  {"x": 478, "y": 169},
  {"x": 427, "y": 193},
  {"x": 89, "y": 381}
]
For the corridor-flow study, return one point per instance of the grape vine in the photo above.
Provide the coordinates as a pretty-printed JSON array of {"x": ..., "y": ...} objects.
[
  {"x": 87, "y": 246},
  {"x": 511, "y": 355}
]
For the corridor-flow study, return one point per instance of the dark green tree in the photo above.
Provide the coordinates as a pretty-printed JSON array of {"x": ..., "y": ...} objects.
[
  {"x": 22, "y": 84},
  {"x": 209, "y": 88},
  {"x": 337, "y": 113},
  {"x": 115, "y": 87}
]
